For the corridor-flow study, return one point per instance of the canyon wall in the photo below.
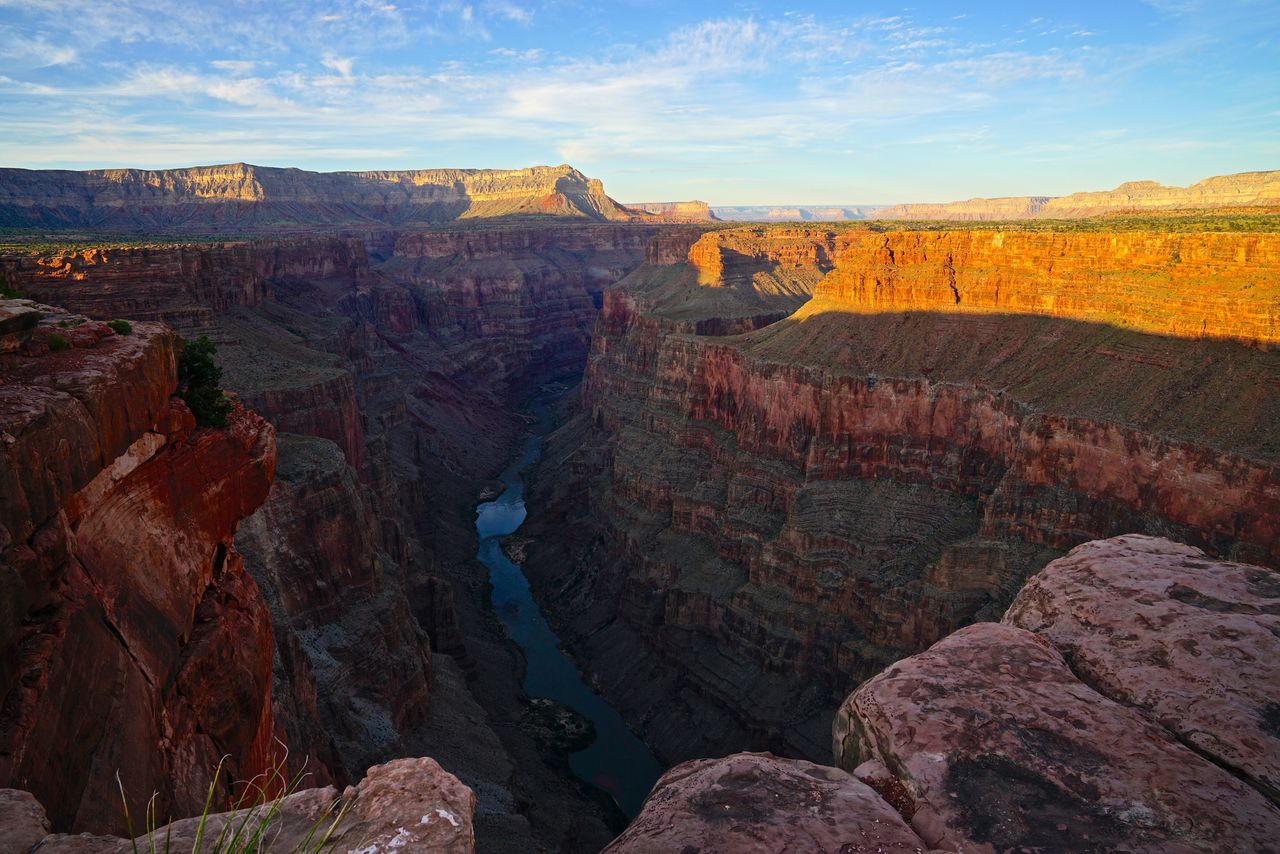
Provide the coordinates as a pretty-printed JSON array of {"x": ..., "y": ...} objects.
[
  {"x": 759, "y": 520},
  {"x": 133, "y": 640},
  {"x": 240, "y": 197},
  {"x": 395, "y": 381}
]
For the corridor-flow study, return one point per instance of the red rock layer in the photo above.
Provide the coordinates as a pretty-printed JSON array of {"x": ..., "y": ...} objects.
[
  {"x": 133, "y": 639},
  {"x": 779, "y": 514},
  {"x": 183, "y": 285}
]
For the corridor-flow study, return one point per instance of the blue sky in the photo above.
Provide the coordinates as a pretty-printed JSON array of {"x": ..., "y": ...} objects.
[{"x": 735, "y": 103}]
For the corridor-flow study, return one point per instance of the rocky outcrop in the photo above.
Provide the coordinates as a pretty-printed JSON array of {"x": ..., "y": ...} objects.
[
  {"x": 239, "y": 197},
  {"x": 408, "y": 804},
  {"x": 758, "y": 802},
  {"x": 801, "y": 213},
  {"x": 1224, "y": 191},
  {"x": 757, "y": 521},
  {"x": 998, "y": 737},
  {"x": 1161, "y": 627},
  {"x": 134, "y": 642}
]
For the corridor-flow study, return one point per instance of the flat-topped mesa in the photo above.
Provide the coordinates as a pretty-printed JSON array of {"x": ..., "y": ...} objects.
[
  {"x": 1244, "y": 189},
  {"x": 244, "y": 197},
  {"x": 691, "y": 211},
  {"x": 132, "y": 639}
]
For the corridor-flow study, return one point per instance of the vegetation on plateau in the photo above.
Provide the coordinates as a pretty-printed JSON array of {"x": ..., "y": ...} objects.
[{"x": 120, "y": 327}]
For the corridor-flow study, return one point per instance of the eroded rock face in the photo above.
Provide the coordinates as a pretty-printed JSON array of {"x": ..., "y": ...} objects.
[
  {"x": 352, "y": 670},
  {"x": 238, "y": 197},
  {"x": 132, "y": 638},
  {"x": 758, "y": 520},
  {"x": 759, "y": 802},
  {"x": 1162, "y": 627},
  {"x": 1000, "y": 745},
  {"x": 405, "y": 805}
]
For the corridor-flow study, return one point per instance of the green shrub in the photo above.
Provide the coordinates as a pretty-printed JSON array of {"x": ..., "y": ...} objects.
[
  {"x": 57, "y": 342},
  {"x": 62, "y": 324},
  {"x": 121, "y": 327},
  {"x": 199, "y": 383}
]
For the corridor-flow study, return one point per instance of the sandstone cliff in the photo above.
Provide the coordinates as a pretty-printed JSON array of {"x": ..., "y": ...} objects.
[
  {"x": 133, "y": 640},
  {"x": 759, "y": 520},
  {"x": 239, "y": 198}
]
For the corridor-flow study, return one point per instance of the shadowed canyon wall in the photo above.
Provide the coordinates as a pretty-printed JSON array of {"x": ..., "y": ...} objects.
[
  {"x": 758, "y": 521},
  {"x": 394, "y": 383}
]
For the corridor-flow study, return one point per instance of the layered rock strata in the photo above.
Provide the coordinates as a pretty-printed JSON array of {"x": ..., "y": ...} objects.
[
  {"x": 1244, "y": 189},
  {"x": 759, "y": 520},
  {"x": 240, "y": 197},
  {"x": 134, "y": 643},
  {"x": 399, "y": 375},
  {"x": 408, "y": 804}
]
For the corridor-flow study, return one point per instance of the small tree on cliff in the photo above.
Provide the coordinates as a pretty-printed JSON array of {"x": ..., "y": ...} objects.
[{"x": 199, "y": 382}]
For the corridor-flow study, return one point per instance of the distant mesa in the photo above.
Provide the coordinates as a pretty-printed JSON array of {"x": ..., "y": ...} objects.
[
  {"x": 691, "y": 211},
  {"x": 1244, "y": 189},
  {"x": 240, "y": 197}
]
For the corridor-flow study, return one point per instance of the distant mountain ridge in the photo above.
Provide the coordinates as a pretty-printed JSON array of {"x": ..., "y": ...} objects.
[
  {"x": 241, "y": 196},
  {"x": 1238, "y": 190}
]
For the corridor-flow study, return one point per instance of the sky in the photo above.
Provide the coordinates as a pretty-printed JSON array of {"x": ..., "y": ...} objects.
[{"x": 732, "y": 103}]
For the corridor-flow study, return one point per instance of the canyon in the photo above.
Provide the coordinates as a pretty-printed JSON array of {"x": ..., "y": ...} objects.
[{"x": 802, "y": 460}]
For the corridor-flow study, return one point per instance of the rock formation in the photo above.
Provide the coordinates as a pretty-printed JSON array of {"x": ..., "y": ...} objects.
[
  {"x": 758, "y": 520},
  {"x": 239, "y": 197},
  {"x": 133, "y": 640},
  {"x": 395, "y": 376},
  {"x": 408, "y": 804},
  {"x": 1103, "y": 714}
]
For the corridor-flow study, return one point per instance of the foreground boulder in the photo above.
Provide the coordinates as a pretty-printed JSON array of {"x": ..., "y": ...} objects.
[
  {"x": 760, "y": 802},
  {"x": 1160, "y": 626},
  {"x": 1132, "y": 742},
  {"x": 405, "y": 805}
]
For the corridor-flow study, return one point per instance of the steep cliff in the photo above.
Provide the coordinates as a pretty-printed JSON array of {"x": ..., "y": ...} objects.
[
  {"x": 133, "y": 640},
  {"x": 400, "y": 375},
  {"x": 692, "y": 211},
  {"x": 757, "y": 521},
  {"x": 240, "y": 197}
]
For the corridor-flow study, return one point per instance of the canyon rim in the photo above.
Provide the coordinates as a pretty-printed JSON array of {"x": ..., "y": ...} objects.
[{"x": 887, "y": 484}]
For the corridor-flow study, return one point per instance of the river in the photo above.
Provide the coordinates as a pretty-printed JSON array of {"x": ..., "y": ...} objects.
[{"x": 616, "y": 761}]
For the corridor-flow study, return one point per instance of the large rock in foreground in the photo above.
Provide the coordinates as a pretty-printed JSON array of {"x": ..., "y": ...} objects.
[
  {"x": 405, "y": 805},
  {"x": 1151, "y": 735},
  {"x": 759, "y": 802},
  {"x": 1160, "y": 626}
]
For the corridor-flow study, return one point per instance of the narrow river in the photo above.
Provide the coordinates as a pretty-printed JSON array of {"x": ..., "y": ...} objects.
[{"x": 617, "y": 761}]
